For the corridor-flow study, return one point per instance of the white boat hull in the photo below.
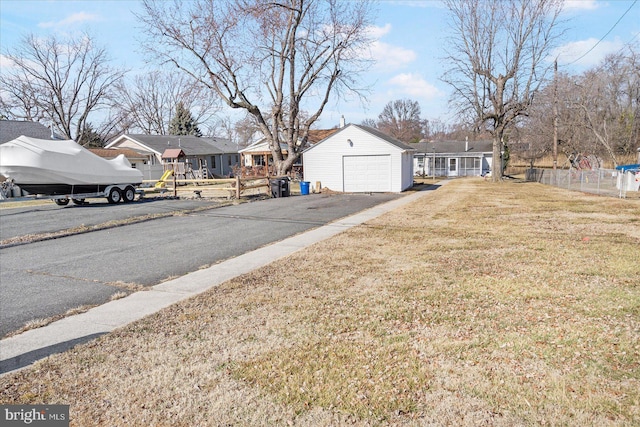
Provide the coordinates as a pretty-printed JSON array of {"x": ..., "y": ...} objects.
[{"x": 61, "y": 167}]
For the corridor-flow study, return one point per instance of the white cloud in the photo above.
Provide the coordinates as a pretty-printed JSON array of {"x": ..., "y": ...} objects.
[
  {"x": 7, "y": 65},
  {"x": 573, "y": 51},
  {"x": 75, "y": 18},
  {"x": 386, "y": 56},
  {"x": 415, "y": 86},
  {"x": 389, "y": 57},
  {"x": 418, "y": 3},
  {"x": 576, "y": 5},
  {"x": 377, "y": 32}
]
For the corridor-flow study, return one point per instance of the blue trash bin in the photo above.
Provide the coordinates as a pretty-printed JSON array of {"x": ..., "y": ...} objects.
[{"x": 304, "y": 188}]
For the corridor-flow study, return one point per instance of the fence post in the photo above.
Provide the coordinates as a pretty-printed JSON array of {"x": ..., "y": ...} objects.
[
  {"x": 237, "y": 187},
  {"x": 175, "y": 185}
]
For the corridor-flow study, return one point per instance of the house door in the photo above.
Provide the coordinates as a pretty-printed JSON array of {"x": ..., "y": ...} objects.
[
  {"x": 367, "y": 173},
  {"x": 453, "y": 167}
]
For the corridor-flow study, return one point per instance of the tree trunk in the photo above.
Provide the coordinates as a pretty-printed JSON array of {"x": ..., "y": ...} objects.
[
  {"x": 496, "y": 161},
  {"x": 284, "y": 166}
]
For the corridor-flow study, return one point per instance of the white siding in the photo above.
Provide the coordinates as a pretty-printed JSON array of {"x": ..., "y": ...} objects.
[
  {"x": 324, "y": 162},
  {"x": 149, "y": 171},
  {"x": 407, "y": 170}
]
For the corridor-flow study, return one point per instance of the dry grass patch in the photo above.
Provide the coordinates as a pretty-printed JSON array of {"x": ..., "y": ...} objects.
[{"x": 478, "y": 304}]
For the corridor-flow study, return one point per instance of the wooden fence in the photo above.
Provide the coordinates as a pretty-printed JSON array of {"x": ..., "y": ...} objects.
[{"x": 230, "y": 187}]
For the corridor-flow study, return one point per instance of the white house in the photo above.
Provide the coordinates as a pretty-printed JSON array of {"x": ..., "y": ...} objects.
[
  {"x": 207, "y": 157},
  {"x": 258, "y": 154},
  {"x": 359, "y": 159},
  {"x": 452, "y": 158}
]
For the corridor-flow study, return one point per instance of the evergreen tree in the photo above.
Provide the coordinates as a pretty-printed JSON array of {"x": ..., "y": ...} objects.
[
  {"x": 90, "y": 138},
  {"x": 183, "y": 123}
]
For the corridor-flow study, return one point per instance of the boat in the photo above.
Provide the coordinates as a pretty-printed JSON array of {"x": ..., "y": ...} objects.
[{"x": 63, "y": 167}]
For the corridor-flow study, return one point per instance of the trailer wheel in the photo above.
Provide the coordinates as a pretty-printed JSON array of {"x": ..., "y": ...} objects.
[
  {"x": 129, "y": 194},
  {"x": 61, "y": 202},
  {"x": 114, "y": 195},
  {"x": 78, "y": 201}
]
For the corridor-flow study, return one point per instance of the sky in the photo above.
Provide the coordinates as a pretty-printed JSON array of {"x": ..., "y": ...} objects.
[{"x": 408, "y": 47}]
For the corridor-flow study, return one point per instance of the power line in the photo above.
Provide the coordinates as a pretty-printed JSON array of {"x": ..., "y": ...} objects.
[{"x": 603, "y": 37}]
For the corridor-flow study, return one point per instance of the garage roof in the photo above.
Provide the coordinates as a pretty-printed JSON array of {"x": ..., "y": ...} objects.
[{"x": 380, "y": 135}]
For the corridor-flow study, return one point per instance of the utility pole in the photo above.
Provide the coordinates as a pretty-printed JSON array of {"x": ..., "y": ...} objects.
[
  {"x": 434, "y": 161},
  {"x": 555, "y": 122}
]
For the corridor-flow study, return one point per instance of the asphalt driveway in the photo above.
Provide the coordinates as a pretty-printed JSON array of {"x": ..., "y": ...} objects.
[{"x": 47, "y": 278}]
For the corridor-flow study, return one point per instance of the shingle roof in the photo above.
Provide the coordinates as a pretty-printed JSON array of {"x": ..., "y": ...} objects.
[
  {"x": 317, "y": 135},
  {"x": 385, "y": 137},
  {"x": 455, "y": 147},
  {"x": 380, "y": 135},
  {"x": 11, "y": 129},
  {"x": 191, "y": 145},
  {"x": 111, "y": 153},
  {"x": 225, "y": 145},
  {"x": 173, "y": 153}
]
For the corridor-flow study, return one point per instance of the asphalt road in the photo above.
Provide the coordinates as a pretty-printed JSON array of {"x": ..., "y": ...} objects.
[
  {"x": 47, "y": 278},
  {"x": 47, "y": 217}
]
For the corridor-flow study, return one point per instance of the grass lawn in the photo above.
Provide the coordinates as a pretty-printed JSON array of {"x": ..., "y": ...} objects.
[{"x": 479, "y": 304}]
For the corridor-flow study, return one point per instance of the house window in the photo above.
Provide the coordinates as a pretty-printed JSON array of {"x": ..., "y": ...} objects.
[
  {"x": 229, "y": 157},
  {"x": 470, "y": 166},
  {"x": 213, "y": 162},
  {"x": 470, "y": 163}
]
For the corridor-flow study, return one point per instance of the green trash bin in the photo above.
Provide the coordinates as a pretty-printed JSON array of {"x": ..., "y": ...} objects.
[{"x": 304, "y": 188}]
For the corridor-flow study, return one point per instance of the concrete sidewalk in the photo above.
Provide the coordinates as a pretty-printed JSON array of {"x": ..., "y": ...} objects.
[{"x": 22, "y": 350}]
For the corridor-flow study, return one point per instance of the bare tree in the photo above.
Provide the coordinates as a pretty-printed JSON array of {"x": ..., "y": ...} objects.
[
  {"x": 272, "y": 59},
  {"x": 538, "y": 125},
  {"x": 59, "y": 82},
  {"x": 438, "y": 130},
  {"x": 401, "y": 120},
  {"x": 497, "y": 54},
  {"x": 372, "y": 123},
  {"x": 245, "y": 131},
  {"x": 608, "y": 100},
  {"x": 598, "y": 110},
  {"x": 149, "y": 101}
]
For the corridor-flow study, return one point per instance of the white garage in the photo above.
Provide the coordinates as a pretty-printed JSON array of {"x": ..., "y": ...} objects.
[{"x": 359, "y": 159}]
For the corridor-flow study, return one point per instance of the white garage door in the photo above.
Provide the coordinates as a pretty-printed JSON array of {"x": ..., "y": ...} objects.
[{"x": 367, "y": 173}]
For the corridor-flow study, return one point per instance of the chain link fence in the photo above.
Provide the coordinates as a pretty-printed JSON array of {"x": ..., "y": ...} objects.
[{"x": 607, "y": 182}]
